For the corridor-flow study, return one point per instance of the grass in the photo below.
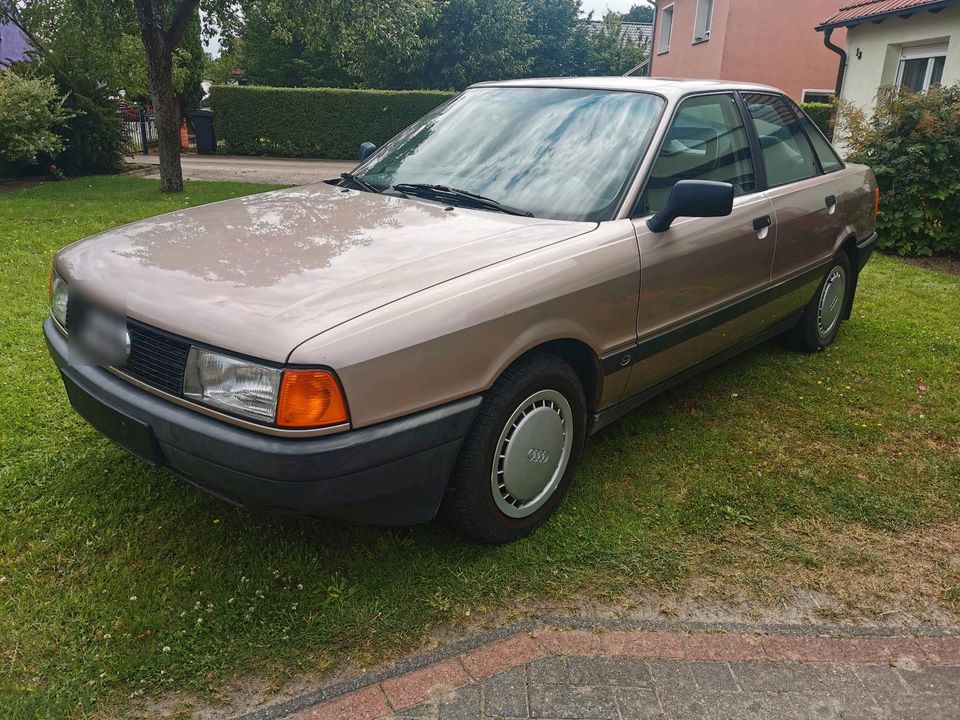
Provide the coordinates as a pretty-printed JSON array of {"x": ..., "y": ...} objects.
[{"x": 119, "y": 581}]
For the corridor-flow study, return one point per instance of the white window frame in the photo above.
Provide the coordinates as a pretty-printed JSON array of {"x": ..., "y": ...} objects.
[
  {"x": 664, "y": 47},
  {"x": 704, "y": 8},
  {"x": 816, "y": 91},
  {"x": 921, "y": 52}
]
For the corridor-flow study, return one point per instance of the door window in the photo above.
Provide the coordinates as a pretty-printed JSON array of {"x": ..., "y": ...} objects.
[
  {"x": 707, "y": 141},
  {"x": 787, "y": 155},
  {"x": 829, "y": 160}
]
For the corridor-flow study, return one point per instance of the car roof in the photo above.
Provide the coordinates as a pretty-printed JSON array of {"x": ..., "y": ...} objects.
[{"x": 669, "y": 87}]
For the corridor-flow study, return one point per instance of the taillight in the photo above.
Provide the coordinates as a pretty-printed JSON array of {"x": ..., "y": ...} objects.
[{"x": 876, "y": 204}]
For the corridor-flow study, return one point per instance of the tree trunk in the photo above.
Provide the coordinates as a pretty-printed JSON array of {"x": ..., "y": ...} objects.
[{"x": 160, "y": 78}]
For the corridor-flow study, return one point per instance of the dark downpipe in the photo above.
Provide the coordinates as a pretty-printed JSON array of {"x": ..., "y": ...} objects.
[{"x": 843, "y": 58}]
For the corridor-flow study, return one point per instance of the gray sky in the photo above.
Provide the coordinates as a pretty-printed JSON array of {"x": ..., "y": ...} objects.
[{"x": 600, "y": 6}]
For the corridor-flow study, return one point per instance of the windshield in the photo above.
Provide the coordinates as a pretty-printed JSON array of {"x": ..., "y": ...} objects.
[{"x": 553, "y": 152}]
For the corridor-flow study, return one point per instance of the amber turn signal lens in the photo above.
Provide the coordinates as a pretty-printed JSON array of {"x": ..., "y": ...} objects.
[{"x": 310, "y": 398}]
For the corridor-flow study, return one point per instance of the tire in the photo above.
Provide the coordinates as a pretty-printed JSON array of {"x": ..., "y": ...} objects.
[
  {"x": 824, "y": 314},
  {"x": 496, "y": 495}
]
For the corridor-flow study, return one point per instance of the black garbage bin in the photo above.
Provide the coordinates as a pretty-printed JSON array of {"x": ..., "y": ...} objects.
[{"x": 203, "y": 129}]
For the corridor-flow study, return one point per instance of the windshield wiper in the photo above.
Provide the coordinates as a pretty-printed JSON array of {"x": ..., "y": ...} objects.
[
  {"x": 442, "y": 192},
  {"x": 360, "y": 183}
]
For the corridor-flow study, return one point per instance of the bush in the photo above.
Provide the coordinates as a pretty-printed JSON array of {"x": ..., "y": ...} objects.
[
  {"x": 821, "y": 114},
  {"x": 912, "y": 142},
  {"x": 95, "y": 139},
  {"x": 313, "y": 122},
  {"x": 30, "y": 109}
]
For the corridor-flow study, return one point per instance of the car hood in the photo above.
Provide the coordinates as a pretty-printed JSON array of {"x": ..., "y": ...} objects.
[{"x": 261, "y": 274}]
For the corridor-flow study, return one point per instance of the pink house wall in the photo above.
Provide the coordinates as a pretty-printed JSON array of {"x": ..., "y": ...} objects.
[{"x": 764, "y": 41}]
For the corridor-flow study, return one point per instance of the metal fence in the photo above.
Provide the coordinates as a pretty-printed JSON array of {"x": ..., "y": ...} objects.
[{"x": 140, "y": 124}]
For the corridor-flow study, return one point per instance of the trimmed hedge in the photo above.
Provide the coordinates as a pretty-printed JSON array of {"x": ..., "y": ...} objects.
[
  {"x": 822, "y": 115},
  {"x": 313, "y": 122}
]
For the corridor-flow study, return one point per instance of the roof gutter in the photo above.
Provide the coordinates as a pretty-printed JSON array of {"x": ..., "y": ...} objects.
[{"x": 841, "y": 71}]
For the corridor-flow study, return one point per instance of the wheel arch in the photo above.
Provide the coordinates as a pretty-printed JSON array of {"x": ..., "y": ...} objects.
[{"x": 581, "y": 357}]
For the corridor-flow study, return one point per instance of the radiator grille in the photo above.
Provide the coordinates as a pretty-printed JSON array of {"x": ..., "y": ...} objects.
[{"x": 156, "y": 358}]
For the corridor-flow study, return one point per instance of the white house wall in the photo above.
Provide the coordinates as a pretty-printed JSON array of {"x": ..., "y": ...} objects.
[{"x": 880, "y": 45}]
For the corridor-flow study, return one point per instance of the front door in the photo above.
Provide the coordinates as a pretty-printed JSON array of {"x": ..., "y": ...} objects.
[{"x": 696, "y": 276}]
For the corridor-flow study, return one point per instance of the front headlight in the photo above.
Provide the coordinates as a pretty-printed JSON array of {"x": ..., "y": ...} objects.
[
  {"x": 232, "y": 384},
  {"x": 58, "y": 298}
]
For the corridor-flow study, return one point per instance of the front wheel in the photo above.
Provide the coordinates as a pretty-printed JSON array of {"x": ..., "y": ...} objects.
[
  {"x": 521, "y": 453},
  {"x": 822, "y": 317}
]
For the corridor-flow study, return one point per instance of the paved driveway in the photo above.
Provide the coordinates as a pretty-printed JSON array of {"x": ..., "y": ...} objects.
[
  {"x": 286, "y": 171},
  {"x": 608, "y": 670}
]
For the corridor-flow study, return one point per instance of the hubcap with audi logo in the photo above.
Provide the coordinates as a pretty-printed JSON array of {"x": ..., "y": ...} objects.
[{"x": 532, "y": 453}]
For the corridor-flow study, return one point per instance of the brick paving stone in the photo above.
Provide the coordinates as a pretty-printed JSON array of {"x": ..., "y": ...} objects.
[
  {"x": 939, "y": 680},
  {"x": 800, "y": 648},
  {"x": 548, "y": 670},
  {"x": 569, "y": 702},
  {"x": 500, "y": 656},
  {"x": 461, "y": 704},
  {"x": 639, "y": 704},
  {"x": 881, "y": 679},
  {"x": 775, "y": 677},
  {"x": 505, "y": 695},
  {"x": 415, "y": 687},
  {"x": 879, "y": 649},
  {"x": 608, "y": 671},
  {"x": 714, "y": 677},
  {"x": 567, "y": 642},
  {"x": 364, "y": 704},
  {"x": 940, "y": 650},
  {"x": 642, "y": 644},
  {"x": 720, "y": 646}
]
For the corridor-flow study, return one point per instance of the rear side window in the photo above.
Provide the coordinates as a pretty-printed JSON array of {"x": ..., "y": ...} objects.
[
  {"x": 829, "y": 160},
  {"x": 787, "y": 155},
  {"x": 707, "y": 141}
]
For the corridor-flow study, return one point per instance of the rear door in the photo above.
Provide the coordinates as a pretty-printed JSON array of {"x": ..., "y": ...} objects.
[
  {"x": 805, "y": 198},
  {"x": 695, "y": 275}
]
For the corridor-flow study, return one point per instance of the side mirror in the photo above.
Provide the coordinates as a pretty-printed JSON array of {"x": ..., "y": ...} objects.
[
  {"x": 693, "y": 198},
  {"x": 366, "y": 150}
]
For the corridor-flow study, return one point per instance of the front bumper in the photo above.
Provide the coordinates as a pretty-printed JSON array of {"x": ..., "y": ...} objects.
[{"x": 394, "y": 473}]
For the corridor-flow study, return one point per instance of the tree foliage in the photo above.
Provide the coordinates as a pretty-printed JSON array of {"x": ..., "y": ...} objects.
[
  {"x": 611, "y": 51},
  {"x": 639, "y": 13},
  {"x": 912, "y": 142},
  {"x": 429, "y": 44}
]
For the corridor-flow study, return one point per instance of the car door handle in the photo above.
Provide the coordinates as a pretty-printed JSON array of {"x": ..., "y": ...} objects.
[
  {"x": 830, "y": 200},
  {"x": 762, "y": 222}
]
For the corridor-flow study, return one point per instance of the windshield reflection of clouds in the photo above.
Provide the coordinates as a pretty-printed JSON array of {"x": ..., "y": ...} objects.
[{"x": 559, "y": 153}]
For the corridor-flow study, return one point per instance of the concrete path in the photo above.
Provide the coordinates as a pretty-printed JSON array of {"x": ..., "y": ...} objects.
[
  {"x": 286, "y": 171},
  {"x": 607, "y": 673}
]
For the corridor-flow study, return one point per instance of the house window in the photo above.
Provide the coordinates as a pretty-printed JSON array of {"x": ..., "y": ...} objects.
[
  {"x": 666, "y": 29},
  {"x": 921, "y": 66},
  {"x": 817, "y": 96},
  {"x": 701, "y": 31}
]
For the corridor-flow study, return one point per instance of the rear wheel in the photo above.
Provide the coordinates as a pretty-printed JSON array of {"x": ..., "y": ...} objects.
[
  {"x": 521, "y": 453},
  {"x": 822, "y": 317}
]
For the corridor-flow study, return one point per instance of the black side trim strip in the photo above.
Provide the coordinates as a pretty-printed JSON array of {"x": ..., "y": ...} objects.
[
  {"x": 654, "y": 344},
  {"x": 603, "y": 418}
]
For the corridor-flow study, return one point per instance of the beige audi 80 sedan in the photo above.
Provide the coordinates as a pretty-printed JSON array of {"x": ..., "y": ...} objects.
[{"x": 441, "y": 329}]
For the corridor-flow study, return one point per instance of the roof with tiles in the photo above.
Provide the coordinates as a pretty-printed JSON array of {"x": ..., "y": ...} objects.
[{"x": 855, "y": 13}]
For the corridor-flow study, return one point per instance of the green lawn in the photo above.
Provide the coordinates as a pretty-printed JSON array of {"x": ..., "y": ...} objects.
[{"x": 118, "y": 581}]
